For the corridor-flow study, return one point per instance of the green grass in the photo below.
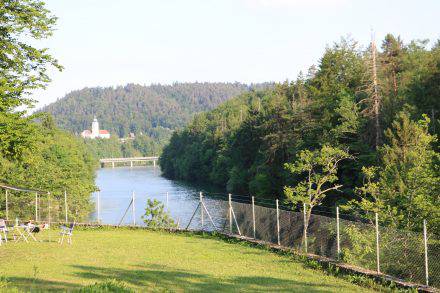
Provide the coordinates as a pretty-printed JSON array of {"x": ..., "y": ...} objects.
[{"x": 158, "y": 261}]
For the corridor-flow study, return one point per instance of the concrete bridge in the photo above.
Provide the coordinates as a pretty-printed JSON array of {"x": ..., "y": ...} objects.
[{"x": 115, "y": 161}]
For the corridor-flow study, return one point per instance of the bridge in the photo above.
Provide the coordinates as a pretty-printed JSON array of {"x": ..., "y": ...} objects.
[{"x": 132, "y": 160}]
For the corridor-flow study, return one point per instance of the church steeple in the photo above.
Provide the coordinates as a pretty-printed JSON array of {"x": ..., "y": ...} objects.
[{"x": 95, "y": 127}]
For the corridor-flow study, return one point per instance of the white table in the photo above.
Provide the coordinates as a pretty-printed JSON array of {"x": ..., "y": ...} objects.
[{"x": 24, "y": 232}]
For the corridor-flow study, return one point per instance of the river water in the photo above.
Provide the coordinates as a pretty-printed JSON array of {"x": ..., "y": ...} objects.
[{"x": 117, "y": 185}]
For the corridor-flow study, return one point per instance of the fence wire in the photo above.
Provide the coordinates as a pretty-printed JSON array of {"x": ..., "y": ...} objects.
[{"x": 401, "y": 253}]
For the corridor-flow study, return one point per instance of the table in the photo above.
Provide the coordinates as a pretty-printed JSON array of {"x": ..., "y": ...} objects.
[{"x": 24, "y": 232}]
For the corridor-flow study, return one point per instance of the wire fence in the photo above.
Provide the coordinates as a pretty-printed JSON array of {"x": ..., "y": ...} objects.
[
  {"x": 409, "y": 256},
  {"x": 405, "y": 255}
]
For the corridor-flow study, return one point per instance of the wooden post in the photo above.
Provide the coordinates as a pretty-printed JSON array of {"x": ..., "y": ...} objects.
[
  {"x": 98, "y": 207},
  {"x": 338, "y": 243},
  {"x": 131, "y": 164},
  {"x": 113, "y": 164},
  {"x": 305, "y": 228},
  {"x": 201, "y": 208},
  {"x": 154, "y": 163},
  {"x": 168, "y": 208},
  {"x": 36, "y": 206},
  {"x": 7, "y": 206},
  {"x": 230, "y": 214},
  {"x": 133, "y": 208},
  {"x": 65, "y": 204},
  {"x": 253, "y": 217},
  {"x": 425, "y": 242},
  {"x": 377, "y": 244},
  {"x": 278, "y": 223}
]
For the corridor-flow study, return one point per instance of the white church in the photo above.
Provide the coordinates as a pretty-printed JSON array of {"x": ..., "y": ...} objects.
[{"x": 95, "y": 132}]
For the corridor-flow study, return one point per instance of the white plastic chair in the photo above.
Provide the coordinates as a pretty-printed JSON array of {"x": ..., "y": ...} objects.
[
  {"x": 66, "y": 232},
  {"x": 4, "y": 230}
]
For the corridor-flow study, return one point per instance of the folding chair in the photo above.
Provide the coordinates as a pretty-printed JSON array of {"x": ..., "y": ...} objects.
[
  {"x": 66, "y": 232},
  {"x": 4, "y": 230}
]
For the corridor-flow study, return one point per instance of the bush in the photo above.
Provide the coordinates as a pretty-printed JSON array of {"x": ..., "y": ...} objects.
[{"x": 156, "y": 216}]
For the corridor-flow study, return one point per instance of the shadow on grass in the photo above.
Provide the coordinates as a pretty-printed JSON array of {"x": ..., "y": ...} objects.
[
  {"x": 160, "y": 277},
  {"x": 40, "y": 285}
]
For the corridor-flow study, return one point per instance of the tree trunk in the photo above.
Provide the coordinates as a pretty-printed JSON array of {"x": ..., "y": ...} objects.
[{"x": 375, "y": 95}]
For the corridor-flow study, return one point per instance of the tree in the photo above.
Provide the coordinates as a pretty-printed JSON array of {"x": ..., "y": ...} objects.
[
  {"x": 34, "y": 154},
  {"x": 405, "y": 188},
  {"x": 319, "y": 169},
  {"x": 374, "y": 99},
  {"x": 391, "y": 60},
  {"x": 23, "y": 68}
]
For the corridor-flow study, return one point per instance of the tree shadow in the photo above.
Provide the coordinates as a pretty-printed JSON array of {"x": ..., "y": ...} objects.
[
  {"x": 154, "y": 276},
  {"x": 40, "y": 285}
]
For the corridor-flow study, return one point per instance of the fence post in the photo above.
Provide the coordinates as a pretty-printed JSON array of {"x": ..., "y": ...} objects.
[
  {"x": 36, "y": 206},
  {"x": 253, "y": 216},
  {"x": 98, "y": 207},
  {"x": 7, "y": 206},
  {"x": 305, "y": 228},
  {"x": 278, "y": 223},
  {"x": 49, "y": 216},
  {"x": 168, "y": 207},
  {"x": 201, "y": 208},
  {"x": 377, "y": 244},
  {"x": 425, "y": 241},
  {"x": 338, "y": 241},
  {"x": 65, "y": 204},
  {"x": 133, "y": 209},
  {"x": 230, "y": 214}
]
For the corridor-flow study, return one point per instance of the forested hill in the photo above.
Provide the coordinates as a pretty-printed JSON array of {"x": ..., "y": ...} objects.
[
  {"x": 372, "y": 135},
  {"x": 151, "y": 110}
]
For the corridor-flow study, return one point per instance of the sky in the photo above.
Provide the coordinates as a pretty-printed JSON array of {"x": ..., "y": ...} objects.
[{"x": 115, "y": 42}]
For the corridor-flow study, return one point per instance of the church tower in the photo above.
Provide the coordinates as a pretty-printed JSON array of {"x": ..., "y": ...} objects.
[{"x": 95, "y": 128}]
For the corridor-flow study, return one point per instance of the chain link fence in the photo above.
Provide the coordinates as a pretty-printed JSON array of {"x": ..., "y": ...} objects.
[
  {"x": 397, "y": 253},
  {"x": 406, "y": 255}
]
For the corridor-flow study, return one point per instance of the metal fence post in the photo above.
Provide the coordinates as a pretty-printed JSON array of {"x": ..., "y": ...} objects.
[
  {"x": 278, "y": 223},
  {"x": 338, "y": 241},
  {"x": 98, "y": 206},
  {"x": 253, "y": 217},
  {"x": 7, "y": 206},
  {"x": 49, "y": 216},
  {"x": 201, "y": 208},
  {"x": 305, "y": 227},
  {"x": 230, "y": 214},
  {"x": 425, "y": 241},
  {"x": 133, "y": 208},
  {"x": 65, "y": 203},
  {"x": 36, "y": 206},
  {"x": 377, "y": 244}
]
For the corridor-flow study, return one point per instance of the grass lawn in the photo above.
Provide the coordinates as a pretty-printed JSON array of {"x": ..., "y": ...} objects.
[{"x": 158, "y": 261}]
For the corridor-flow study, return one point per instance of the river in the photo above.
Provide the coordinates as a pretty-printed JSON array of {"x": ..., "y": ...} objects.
[{"x": 116, "y": 186}]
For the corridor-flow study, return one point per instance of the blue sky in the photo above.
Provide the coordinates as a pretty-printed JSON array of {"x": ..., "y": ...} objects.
[{"x": 114, "y": 42}]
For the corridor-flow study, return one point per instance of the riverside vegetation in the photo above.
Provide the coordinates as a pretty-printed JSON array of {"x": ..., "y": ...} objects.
[{"x": 374, "y": 113}]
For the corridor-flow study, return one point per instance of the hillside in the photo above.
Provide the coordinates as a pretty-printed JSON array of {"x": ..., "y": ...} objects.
[
  {"x": 270, "y": 142},
  {"x": 153, "y": 110}
]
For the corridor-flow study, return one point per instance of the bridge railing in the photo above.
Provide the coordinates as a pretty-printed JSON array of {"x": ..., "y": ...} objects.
[{"x": 109, "y": 160}]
